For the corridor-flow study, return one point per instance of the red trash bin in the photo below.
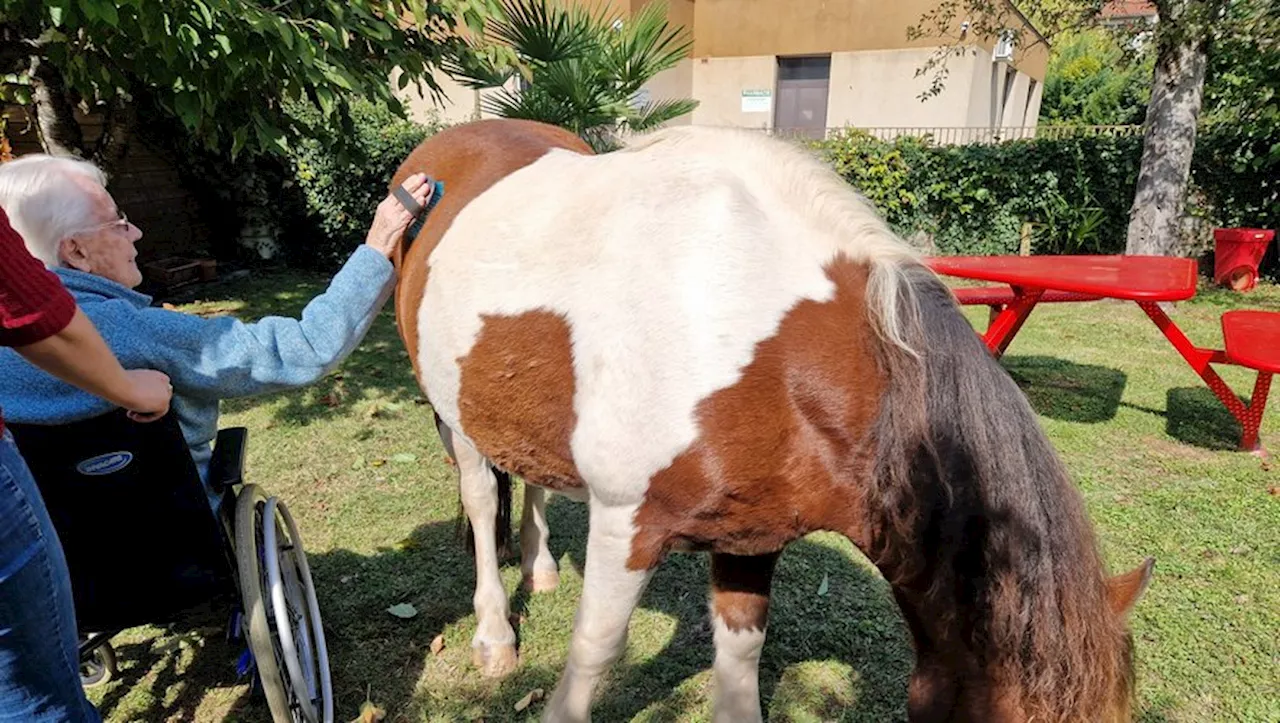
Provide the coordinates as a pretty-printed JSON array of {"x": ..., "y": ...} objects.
[{"x": 1236, "y": 255}]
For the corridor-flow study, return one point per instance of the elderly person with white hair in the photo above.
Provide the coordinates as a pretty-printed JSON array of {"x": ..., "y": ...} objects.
[{"x": 70, "y": 222}]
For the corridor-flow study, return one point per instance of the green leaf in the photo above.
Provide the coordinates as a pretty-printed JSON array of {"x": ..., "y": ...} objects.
[
  {"x": 224, "y": 42},
  {"x": 205, "y": 13},
  {"x": 404, "y": 611},
  {"x": 825, "y": 585},
  {"x": 187, "y": 106},
  {"x": 55, "y": 15},
  {"x": 328, "y": 33},
  {"x": 107, "y": 11}
]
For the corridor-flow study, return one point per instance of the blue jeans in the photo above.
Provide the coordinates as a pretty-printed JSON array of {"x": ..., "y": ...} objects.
[{"x": 39, "y": 662}]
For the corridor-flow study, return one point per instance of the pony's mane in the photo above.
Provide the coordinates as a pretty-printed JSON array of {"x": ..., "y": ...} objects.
[
  {"x": 980, "y": 517},
  {"x": 800, "y": 182}
]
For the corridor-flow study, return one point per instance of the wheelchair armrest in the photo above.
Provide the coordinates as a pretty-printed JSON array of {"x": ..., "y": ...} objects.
[{"x": 226, "y": 466}]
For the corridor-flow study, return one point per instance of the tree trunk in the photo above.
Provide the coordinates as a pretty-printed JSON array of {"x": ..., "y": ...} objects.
[
  {"x": 56, "y": 124},
  {"x": 117, "y": 129},
  {"x": 1167, "y": 145}
]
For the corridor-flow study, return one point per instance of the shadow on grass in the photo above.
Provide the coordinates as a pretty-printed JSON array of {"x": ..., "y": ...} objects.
[
  {"x": 212, "y": 666},
  {"x": 1198, "y": 418},
  {"x": 1067, "y": 391},
  {"x": 854, "y": 624}
]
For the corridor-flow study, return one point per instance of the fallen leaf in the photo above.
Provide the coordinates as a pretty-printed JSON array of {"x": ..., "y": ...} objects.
[
  {"x": 370, "y": 713},
  {"x": 532, "y": 697},
  {"x": 826, "y": 585},
  {"x": 1273, "y": 490},
  {"x": 437, "y": 645},
  {"x": 1242, "y": 599},
  {"x": 404, "y": 611},
  {"x": 357, "y": 463},
  {"x": 378, "y": 462},
  {"x": 408, "y": 543},
  {"x": 404, "y": 458},
  {"x": 329, "y": 400}
]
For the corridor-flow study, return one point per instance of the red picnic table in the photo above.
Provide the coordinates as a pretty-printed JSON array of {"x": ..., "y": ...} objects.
[{"x": 1251, "y": 338}]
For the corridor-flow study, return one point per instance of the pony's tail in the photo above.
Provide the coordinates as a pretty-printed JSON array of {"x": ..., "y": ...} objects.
[{"x": 502, "y": 524}]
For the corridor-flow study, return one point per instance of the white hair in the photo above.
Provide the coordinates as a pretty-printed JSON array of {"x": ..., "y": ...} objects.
[{"x": 42, "y": 206}]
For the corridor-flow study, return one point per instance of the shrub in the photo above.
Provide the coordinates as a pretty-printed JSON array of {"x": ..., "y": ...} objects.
[
  {"x": 975, "y": 199},
  {"x": 338, "y": 196}
]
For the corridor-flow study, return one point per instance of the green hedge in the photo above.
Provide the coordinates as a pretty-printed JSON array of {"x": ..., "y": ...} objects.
[
  {"x": 1076, "y": 192},
  {"x": 974, "y": 199},
  {"x": 338, "y": 197},
  {"x": 971, "y": 199}
]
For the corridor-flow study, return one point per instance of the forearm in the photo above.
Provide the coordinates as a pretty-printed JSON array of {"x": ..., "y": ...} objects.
[{"x": 79, "y": 356}]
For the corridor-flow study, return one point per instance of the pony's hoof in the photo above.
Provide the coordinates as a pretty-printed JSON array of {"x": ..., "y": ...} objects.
[
  {"x": 541, "y": 581},
  {"x": 494, "y": 661}
]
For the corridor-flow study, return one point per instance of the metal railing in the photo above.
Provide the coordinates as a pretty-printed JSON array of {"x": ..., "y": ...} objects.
[{"x": 965, "y": 135}]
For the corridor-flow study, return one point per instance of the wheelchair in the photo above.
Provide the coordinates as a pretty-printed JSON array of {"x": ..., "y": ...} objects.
[{"x": 146, "y": 546}]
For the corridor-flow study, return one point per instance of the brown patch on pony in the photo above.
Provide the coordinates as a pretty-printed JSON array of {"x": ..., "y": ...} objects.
[
  {"x": 469, "y": 159},
  {"x": 986, "y": 541},
  {"x": 781, "y": 446},
  {"x": 516, "y": 397},
  {"x": 740, "y": 590}
]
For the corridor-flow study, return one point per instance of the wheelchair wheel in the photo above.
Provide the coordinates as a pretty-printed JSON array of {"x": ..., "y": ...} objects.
[
  {"x": 282, "y": 617},
  {"x": 99, "y": 668}
]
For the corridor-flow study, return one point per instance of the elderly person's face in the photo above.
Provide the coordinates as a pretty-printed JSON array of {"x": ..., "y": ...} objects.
[{"x": 104, "y": 247}]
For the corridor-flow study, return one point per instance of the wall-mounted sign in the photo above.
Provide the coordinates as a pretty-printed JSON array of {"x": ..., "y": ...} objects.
[{"x": 757, "y": 101}]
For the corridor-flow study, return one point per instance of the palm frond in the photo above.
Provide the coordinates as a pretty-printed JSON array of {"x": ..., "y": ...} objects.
[
  {"x": 655, "y": 113},
  {"x": 478, "y": 67},
  {"x": 648, "y": 46},
  {"x": 543, "y": 33}
]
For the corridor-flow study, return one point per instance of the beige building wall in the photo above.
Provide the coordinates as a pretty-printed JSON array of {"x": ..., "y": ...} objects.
[
  {"x": 718, "y": 85},
  {"x": 672, "y": 84},
  {"x": 878, "y": 88},
  {"x": 873, "y": 83}
]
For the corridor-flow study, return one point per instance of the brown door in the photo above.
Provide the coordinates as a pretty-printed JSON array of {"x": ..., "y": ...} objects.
[{"x": 803, "y": 86}]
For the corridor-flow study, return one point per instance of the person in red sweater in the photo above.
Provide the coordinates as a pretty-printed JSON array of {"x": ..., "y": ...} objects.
[{"x": 39, "y": 663}]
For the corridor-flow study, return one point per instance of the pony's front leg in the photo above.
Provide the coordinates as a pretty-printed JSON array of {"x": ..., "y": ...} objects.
[
  {"x": 739, "y": 612},
  {"x": 493, "y": 647},
  {"x": 610, "y": 592},
  {"x": 538, "y": 567}
]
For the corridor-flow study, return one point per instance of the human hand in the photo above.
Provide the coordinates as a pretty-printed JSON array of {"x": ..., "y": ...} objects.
[
  {"x": 392, "y": 218},
  {"x": 151, "y": 392}
]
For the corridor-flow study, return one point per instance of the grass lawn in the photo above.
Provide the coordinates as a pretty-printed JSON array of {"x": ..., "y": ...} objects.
[{"x": 357, "y": 460}]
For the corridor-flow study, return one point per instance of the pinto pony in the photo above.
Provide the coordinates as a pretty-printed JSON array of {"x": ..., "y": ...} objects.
[{"x": 718, "y": 346}]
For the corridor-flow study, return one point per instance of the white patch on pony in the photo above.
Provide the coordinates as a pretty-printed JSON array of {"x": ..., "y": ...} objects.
[
  {"x": 670, "y": 262},
  {"x": 737, "y": 674}
]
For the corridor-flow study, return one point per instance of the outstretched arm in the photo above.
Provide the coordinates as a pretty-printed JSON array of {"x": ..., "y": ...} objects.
[{"x": 224, "y": 357}]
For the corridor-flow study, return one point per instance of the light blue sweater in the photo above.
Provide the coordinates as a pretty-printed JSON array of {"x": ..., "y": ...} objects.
[{"x": 206, "y": 359}]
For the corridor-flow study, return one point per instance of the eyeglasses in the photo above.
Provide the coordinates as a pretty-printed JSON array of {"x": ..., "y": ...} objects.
[{"x": 121, "y": 223}]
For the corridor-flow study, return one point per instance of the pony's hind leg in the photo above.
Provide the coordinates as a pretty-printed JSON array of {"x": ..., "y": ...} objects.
[
  {"x": 493, "y": 647},
  {"x": 610, "y": 592},
  {"x": 739, "y": 611},
  {"x": 538, "y": 567}
]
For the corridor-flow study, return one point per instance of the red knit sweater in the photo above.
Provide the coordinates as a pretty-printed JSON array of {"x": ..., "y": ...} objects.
[{"x": 33, "y": 303}]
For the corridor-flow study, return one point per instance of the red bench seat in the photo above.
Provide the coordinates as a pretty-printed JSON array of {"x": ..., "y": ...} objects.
[{"x": 1252, "y": 339}]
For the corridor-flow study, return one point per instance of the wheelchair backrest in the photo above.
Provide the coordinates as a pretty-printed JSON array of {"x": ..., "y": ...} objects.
[{"x": 126, "y": 499}]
